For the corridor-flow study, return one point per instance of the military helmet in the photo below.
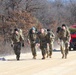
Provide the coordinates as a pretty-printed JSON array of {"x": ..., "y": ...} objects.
[
  {"x": 63, "y": 25},
  {"x": 48, "y": 29},
  {"x": 16, "y": 29},
  {"x": 33, "y": 28}
]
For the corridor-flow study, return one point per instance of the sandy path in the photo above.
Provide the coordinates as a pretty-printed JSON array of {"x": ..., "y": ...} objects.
[{"x": 49, "y": 66}]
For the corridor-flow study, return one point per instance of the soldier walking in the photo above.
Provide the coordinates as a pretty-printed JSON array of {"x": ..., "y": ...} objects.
[
  {"x": 32, "y": 39},
  {"x": 64, "y": 37},
  {"x": 17, "y": 41},
  {"x": 50, "y": 40},
  {"x": 43, "y": 42}
]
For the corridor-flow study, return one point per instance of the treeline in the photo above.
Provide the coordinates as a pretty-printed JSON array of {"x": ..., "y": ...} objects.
[
  {"x": 27, "y": 13},
  {"x": 49, "y": 13}
]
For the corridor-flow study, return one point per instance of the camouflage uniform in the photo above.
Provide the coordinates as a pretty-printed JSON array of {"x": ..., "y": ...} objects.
[
  {"x": 50, "y": 40},
  {"x": 43, "y": 44},
  {"x": 33, "y": 38},
  {"x": 16, "y": 41},
  {"x": 64, "y": 37}
]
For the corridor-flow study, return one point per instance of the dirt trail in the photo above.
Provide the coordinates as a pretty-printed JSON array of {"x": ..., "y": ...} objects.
[{"x": 49, "y": 66}]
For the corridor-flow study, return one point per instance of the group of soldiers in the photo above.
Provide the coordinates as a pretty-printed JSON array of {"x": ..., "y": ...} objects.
[{"x": 44, "y": 39}]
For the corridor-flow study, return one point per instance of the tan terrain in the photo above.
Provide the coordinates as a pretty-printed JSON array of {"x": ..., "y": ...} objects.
[{"x": 49, "y": 66}]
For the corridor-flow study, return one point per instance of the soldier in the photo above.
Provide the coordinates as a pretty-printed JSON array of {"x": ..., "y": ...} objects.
[
  {"x": 17, "y": 39},
  {"x": 43, "y": 42},
  {"x": 32, "y": 38},
  {"x": 64, "y": 37},
  {"x": 50, "y": 40}
]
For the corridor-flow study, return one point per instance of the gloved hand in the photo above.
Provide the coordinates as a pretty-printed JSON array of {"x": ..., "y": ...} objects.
[
  {"x": 11, "y": 45},
  {"x": 22, "y": 44}
]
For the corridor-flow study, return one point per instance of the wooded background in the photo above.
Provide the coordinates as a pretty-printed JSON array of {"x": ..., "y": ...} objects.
[{"x": 39, "y": 13}]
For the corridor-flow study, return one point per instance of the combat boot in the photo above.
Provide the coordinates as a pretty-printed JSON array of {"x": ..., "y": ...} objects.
[
  {"x": 43, "y": 57},
  {"x": 62, "y": 56},
  {"x": 65, "y": 56},
  {"x": 18, "y": 57},
  {"x": 47, "y": 55},
  {"x": 50, "y": 55},
  {"x": 34, "y": 57}
]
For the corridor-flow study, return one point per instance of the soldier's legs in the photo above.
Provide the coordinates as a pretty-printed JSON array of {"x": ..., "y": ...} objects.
[
  {"x": 47, "y": 51},
  {"x": 43, "y": 52},
  {"x": 50, "y": 49},
  {"x": 17, "y": 49},
  {"x": 66, "y": 49},
  {"x": 62, "y": 48},
  {"x": 33, "y": 51}
]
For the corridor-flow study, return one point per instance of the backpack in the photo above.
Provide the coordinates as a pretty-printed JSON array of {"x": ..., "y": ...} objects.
[
  {"x": 30, "y": 33},
  {"x": 21, "y": 34},
  {"x": 58, "y": 29}
]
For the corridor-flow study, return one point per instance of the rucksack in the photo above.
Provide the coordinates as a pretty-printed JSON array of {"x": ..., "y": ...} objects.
[
  {"x": 58, "y": 29},
  {"x": 21, "y": 34},
  {"x": 30, "y": 33}
]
